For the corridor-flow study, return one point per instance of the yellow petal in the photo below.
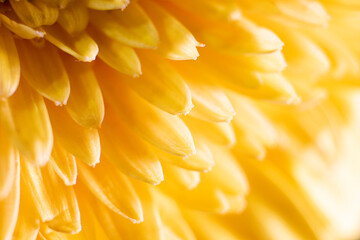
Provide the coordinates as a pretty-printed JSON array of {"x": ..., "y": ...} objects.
[
  {"x": 214, "y": 230},
  {"x": 172, "y": 218},
  {"x": 306, "y": 59},
  {"x": 275, "y": 88},
  {"x": 243, "y": 36},
  {"x": 49, "y": 78},
  {"x": 128, "y": 151},
  {"x": 58, "y": 207},
  {"x": 85, "y": 105},
  {"x": 226, "y": 174},
  {"x": 215, "y": 199},
  {"x": 64, "y": 164},
  {"x": 117, "y": 55},
  {"x": 219, "y": 133},
  {"x": 61, "y": 4},
  {"x": 113, "y": 189},
  {"x": 202, "y": 160},
  {"x": 20, "y": 29},
  {"x": 117, "y": 227},
  {"x": 9, "y": 207},
  {"x": 107, "y": 5},
  {"x": 249, "y": 145},
  {"x": 74, "y": 18},
  {"x": 68, "y": 218},
  {"x": 221, "y": 73},
  {"x": 306, "y": 11},
  {"x": 34, "y": 139},
  {"x": 91, "y": 227},
  {"x": 83, "y": 143},
  {"x": 185, "y": 178},
  {"x": 173, "y": 94},
  {"x": 237, "y": 203},
  {"x": 8, "y": 158},
  {"x": 215, "y": 10},
  {"x": 34, "y": 13},
  {"x": 131, "y": 26},
  {"x": 176, "y": 42},
  {"x": 33, "y": 180},
  {"x": 9, "y": 62},
  {"x": 28, "y": 222},
  {"x": 161, "y": 129},
  {"x": 211, "y": 104},
  {"x": 252, "y": 121},
  {"x": 81, "y": 45}
]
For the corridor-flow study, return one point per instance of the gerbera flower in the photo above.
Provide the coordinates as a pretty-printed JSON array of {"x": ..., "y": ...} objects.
[{"x": 179, "y": 119}]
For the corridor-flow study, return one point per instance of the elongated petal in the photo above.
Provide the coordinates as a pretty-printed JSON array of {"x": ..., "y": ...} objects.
[
  {"x": 9, "y": 207},
  {"x": 83, "y": 143},
  {"x": 8, "y": 158},
  {"x": 161, "y": 129},
  {"x": 219, "y": 133},
  {"x": 113, "y": 189},
  {"x": 226, "y": 173},
  {"x": 33, "y": 180},
  {"x": 10, "y": 65},
  {"x": 243, "y": 36},
  {"x": 202, "y": 160},
  {"x": 28, "y": 222},
  {"x": 74, "y": 18},
  {"x": 172, "y": 217},
  {"x": 64, "y": 164},
  {"x": 214, "y": 230},
  {"x": 117, "y": 55},
  {"x": 173, "y": 94},
  {"x": 128, "y": 151},
  {"x": 61, "y": 4},
  {"x": 176, "y": 42},
  {"x": 81, "y": 45},
  {"x": 85, "y": 105},
  {"x": 58, "y": 207},
  {"x": 252, "y": 121},
  {"x": 215, "y": 10},
  {"x": 194, "y": 199},
  {"x": 49, "y": 78},
  {"x": 185, "y": 178},
  {"x": 131, "y": 26},
  {"x": 20, "y": 29},
  {"x": 107, "y": 5},
  {"x": 34, "y": 139},
  {"x": 120, "y": 228},
  {"x": 34, "y": 13},
  {"x": 306, "y": 11},
  {"x": 64, "y": 198},
  {"x": 211, "y": 104},
  {"x": 275, "y": 87}
]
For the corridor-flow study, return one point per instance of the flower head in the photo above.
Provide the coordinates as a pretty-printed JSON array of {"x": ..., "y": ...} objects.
[{"x": 179, "y": 119}]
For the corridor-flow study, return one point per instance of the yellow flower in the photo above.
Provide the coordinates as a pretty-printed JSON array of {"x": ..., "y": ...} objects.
[{"x": 243, "y": 113}]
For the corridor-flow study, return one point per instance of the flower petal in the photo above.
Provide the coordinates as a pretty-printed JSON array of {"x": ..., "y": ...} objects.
[
  {"x": 8, "y": 158},
  {"x": 64, "y": 164},
  {"x": 34, "y": 13},
  {"x": 85, "y": 105},
  {"x": 9, "y": 207},
  {"x": 83, "y": 143},
  {"x": 161, "y": 129},
  {"x": 10, "y": 65},
  {"x": 131, "y": 26},
  {"x": 49, "y": 78},
  {"x": 34, "y": 139},
  {"x": 128, "y": 151},
  {"x": 81, "y": 45},
  {"x": 113, "y": 189}
]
